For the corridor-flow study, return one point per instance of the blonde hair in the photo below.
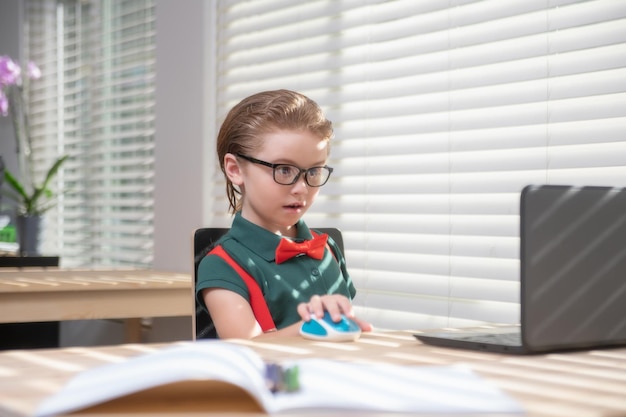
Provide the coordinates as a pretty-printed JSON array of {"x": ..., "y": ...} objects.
[{"x": 262, "y": 113}]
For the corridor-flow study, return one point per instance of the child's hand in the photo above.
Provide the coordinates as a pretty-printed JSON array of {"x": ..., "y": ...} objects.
[{"x": 335, "y": 304}]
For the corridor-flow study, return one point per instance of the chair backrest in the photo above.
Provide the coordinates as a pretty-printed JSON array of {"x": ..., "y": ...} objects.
[{"x": 203, "y": 241}]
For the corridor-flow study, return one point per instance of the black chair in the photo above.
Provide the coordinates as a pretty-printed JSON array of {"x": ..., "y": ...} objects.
[{"x": 203, "y": 241}]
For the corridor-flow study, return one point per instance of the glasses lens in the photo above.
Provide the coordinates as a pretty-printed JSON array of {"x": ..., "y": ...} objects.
[
  {"x": 286, "y": 174},
  {"x": 317, "y": 176}
]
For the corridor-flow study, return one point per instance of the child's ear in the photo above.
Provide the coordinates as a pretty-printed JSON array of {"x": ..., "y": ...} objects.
[{"x": 232, "y": 169}]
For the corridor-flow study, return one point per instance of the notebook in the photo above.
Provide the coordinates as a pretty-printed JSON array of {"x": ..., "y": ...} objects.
[{"x": 572, "y": 277}]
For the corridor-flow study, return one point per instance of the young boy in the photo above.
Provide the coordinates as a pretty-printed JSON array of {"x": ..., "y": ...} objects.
[{"x": 273, "y": 147}]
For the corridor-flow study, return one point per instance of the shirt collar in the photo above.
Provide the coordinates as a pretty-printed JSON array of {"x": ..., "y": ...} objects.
[{"x": 261, "y": 241}]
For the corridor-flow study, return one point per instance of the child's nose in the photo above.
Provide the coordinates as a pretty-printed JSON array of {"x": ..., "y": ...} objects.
[{"x": 301, "y": 184}]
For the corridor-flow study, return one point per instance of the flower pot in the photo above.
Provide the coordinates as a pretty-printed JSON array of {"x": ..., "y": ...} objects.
[{"x": 28, "y": 229}]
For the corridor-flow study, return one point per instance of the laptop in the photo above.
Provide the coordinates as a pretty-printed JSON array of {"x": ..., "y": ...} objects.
[{"x": 572, "y": 278}]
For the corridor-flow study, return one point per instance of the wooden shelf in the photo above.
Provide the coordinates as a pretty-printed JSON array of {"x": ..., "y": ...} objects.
[{"x": 28, "y": 261}]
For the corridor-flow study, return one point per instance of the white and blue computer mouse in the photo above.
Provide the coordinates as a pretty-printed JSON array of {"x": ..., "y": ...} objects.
[{"x": 345, "y": 330}]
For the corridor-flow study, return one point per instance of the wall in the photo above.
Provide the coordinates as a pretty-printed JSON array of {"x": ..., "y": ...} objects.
[
  {"x": 184, "y": 126},
  {"x": 10, "y": 18}
]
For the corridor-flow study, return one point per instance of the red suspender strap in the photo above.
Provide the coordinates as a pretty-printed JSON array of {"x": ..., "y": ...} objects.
[{"x": 257, "y": 301}]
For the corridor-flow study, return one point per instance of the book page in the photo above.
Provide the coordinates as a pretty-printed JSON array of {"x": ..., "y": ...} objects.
[
  {"x": 334, "y": 385},
  {"x": 200, "y": 361}
]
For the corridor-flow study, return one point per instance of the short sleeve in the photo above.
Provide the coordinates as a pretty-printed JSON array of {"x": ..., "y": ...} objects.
[{"x": 214, "y": 272}]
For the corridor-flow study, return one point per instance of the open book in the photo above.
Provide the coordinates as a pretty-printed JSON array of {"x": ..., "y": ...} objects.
[{"x": 223, "y": 376}]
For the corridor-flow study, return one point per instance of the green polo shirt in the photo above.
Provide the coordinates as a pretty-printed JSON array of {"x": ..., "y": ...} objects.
[{"x": 284, "y": 285}]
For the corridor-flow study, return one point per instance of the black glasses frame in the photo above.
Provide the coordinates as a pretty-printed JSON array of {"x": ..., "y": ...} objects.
[{"x": 296, "y": 178}]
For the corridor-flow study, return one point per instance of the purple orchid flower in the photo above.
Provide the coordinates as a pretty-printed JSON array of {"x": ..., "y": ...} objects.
[
  {"x": 34, "y": 73},
  {"x": 9, "y": 71},
  {"x": 11, "y": 75},
  {"x": 4, "y": 104}
]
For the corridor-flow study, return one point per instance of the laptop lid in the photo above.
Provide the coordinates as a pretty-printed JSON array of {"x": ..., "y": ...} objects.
[
  {"x": 573, "y": 267},
  {"x": 572, "y": 277}
]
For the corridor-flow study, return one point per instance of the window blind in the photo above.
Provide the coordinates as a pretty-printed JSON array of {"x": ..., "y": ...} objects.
[
  {"x": 443, "y": 111},
  {"x": 95, "y": 102}
]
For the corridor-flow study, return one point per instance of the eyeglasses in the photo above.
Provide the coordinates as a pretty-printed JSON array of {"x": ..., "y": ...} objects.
[{"x": 286, "y": 174}]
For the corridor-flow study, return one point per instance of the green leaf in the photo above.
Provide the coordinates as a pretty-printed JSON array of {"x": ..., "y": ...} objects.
[
  {"x": 15, "y": 184},
  {"x": 30, "y": 204}
]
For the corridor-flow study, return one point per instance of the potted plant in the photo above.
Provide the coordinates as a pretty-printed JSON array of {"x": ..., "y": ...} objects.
[
  {"x": 32, "y": 199},
  {"x": 32, "y": 202}
]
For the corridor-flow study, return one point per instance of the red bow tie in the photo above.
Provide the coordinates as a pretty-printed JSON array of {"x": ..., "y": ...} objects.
[{"x": 314, "y": 248}]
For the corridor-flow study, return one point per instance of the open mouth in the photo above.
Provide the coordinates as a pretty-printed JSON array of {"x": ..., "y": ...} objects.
[{"x": 294, "y": 206}]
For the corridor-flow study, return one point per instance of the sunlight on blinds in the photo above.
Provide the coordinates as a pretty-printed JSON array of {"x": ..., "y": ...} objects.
[
  {"x": 96, "y": 103},
  {"x": 443, "y": 111}
]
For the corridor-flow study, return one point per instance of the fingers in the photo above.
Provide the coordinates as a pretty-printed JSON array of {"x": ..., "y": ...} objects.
[
  {"x": 335, "y": 304},
  {"x": 364, "y": 325},
  {"x": 303, "y": 311}
]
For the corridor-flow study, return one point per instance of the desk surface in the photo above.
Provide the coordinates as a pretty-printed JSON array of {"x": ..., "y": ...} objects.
[
  {"x": 575, "y": 384},
  {"x": 30, "y": 294}
]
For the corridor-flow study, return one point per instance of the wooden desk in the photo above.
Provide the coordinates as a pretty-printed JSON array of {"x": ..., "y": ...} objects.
[
  {"x": 579, "y": 384},
  {"x": 33, "y": 295}
]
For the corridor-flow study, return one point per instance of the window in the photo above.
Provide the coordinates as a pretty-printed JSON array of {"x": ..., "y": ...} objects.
[
  {"x": 95, "y": 102},
  {"x": 443, "y": 111}
]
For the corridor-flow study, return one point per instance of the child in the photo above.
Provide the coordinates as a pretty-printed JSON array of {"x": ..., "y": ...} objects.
[{"x": 273, "y": 147}]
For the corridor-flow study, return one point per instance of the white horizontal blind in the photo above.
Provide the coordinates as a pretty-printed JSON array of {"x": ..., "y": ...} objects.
[
  {"x": 443, "y": 111},
  {"x": 95, "y": 102}
]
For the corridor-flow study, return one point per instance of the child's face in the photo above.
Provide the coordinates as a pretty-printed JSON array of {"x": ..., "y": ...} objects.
[{"x": 271, "y": 205}]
